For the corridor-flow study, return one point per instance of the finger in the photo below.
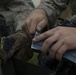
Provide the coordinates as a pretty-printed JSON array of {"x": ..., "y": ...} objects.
[
  {"x": 60, "y": 52},
  {"x": 41, "y": 25},
  {"x": 48, "y": 42},
  {"x": 44, "y": 35},
  {"x": 33, "y": 26},
  {"x": 54, "y": 49}
]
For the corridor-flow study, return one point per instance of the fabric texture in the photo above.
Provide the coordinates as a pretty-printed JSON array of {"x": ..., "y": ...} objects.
[
  {"x": 54, "y": 8},
  {"x": 14, "y": 13}
]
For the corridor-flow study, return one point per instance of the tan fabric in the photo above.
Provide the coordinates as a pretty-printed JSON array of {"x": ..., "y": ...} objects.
[{"x": 22, "y": 46}]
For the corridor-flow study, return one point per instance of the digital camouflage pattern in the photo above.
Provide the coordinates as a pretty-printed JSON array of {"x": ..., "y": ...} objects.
[
  {"x": 54, "y": 8},
  {"x": 16, "y": 11},
  {"x": 19, "y": 9}
]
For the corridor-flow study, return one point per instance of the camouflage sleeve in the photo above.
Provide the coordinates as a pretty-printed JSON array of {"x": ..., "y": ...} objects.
[
  {"x": 53, "y": 8},
  {"x": 20, "y": 9}
]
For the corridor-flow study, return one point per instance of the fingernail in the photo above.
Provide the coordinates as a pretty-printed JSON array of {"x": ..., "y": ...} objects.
[{"x": 39, "y": 28}]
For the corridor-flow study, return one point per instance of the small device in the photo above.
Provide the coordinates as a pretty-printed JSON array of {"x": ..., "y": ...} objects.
[{"x": 37, "y": 45}]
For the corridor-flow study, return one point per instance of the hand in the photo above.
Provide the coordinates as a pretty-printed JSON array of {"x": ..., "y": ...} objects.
[
  {"x": 37, "y": 20},
  {"x": 60, "y": 39},
  {"x": 21, "y": 48}
]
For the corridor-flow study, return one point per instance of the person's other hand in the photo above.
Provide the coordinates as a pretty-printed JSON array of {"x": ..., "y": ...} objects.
[
  {"x": 37, "y": 20},
  {"x": 60, "y": 39}
]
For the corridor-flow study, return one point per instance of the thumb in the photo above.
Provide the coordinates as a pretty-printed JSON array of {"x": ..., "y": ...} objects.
[{"x": 41, "y": 25}]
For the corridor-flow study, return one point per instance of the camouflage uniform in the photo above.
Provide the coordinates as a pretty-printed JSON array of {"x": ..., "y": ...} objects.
[
  {"x": 14, "y": 13},
  {"x": 54, "y": 8},
  {"x": 21, "y": 8}
]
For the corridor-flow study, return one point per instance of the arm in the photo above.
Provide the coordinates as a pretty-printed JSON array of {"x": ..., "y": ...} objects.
[
  {"x": 38, "y": 19},
  {"x": 53, "y": 8}
]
